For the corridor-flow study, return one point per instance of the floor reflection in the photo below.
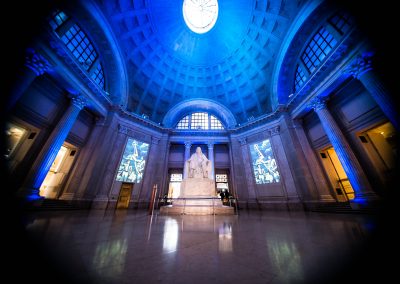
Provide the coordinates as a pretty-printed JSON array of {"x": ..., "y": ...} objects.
[
  {"x": 132, "y": 247},
  {"x": 111, "y": 254},
  {"x": 171, "y": 233},
  {"x": 225, "y": 237},
  {"x": 286, "y": 259}
]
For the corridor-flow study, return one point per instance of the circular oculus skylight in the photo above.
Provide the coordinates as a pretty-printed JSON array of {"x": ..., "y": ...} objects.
[{"x": 200, "y": 15}]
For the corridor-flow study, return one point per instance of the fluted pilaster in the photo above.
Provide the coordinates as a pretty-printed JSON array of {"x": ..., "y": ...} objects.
[
  {"x": 188, "y": 145},
  {"x": 211, "y": 158},
  {"x": 249, "y": 174}
]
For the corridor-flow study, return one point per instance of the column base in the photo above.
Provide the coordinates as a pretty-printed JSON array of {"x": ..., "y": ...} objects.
[
  {"x": 365, "y": 200},
  {"x": 100, "y": 202},
  {"x": 67, "y": 196},
  {"x": 326, "y": 198},
  {"x": 30, "y": 194},
  {"x": 252, "y": 204},
  {"x": 293, "y": 199}
]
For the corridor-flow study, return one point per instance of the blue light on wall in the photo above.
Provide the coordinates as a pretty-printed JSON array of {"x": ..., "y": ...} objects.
[
  {"x": 200, "y": 49},
  {"x": 230, "y": 62},
  {"x": 310, "y": 56},
  {"x": 79, "y": 44}
]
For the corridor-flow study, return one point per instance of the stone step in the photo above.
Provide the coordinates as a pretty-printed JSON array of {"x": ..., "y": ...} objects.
[
  {"x": 197, "y": 201},
  {"x": 53, "y": 205},
  {"x": 342, "y": 208},
  {"x": 196, "y": 210}
]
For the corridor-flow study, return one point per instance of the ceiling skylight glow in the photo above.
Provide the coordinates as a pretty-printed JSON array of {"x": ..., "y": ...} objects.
[{"x": 200, "y": 15}]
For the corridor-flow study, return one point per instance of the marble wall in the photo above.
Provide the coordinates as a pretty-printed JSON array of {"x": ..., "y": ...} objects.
[{"x": 101, "y": 140}]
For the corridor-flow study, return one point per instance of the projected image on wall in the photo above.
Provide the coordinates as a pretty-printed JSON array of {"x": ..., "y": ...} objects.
[
  {"x": 131, "y": 168},
  {"x": 264, "y": 163}
]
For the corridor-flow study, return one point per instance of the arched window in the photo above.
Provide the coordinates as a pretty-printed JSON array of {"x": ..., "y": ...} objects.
[
  {"x": 200, "y": 121},
  {"x": 79, "y": 44},
  {"x": 215, "y": 123},
  {"x": 321, "y": 44},
  {"x": 319, "y": 47},
  {"x": 300, "y": 78},
  {"x": 184, "y": 123},
  {"x": 341, "y": 22},
  {"x": 98, "y": 76},
  {"x": 58, "y": 18}
]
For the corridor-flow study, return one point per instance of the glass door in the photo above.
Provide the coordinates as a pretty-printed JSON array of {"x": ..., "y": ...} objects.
[
  {"x": 337, "y": 176},
  {"x": 58, "y": 172}
]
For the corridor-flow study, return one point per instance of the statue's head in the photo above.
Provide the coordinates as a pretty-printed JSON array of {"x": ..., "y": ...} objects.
[{"x": 198, "y": 150}]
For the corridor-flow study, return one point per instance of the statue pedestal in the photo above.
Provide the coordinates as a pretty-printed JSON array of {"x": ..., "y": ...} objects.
[
  {"x": 198, "y": 198},
  {"x": 197, "y": 188}
]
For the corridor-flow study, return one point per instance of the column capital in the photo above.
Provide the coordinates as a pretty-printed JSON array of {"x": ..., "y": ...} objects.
[
  {"x": 360, "y": 65},
  {"x": 210, "y": 145},
  {"x": 188, "y": 144},
  {"x": 100, "y": 120},
  {"x": 298, "y": 123},
  {"x": 242, "y": 141},
  {"x": 281, "y": 108},
  {"x": 317, "y": 103},
  {"x": 114, "y": 108},
  {"x": 78, "y": 101},
  {"x": 274, "y": 130},
  {"x": 36, "y": 62},
  {"x": 155, "y": 140},
  {"x": 123, "y": 129}
]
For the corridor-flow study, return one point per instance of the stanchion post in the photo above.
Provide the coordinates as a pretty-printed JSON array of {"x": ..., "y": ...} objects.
[{"x": 152, "y": 199}]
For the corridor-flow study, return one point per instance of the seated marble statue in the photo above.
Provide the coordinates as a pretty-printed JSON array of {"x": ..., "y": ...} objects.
[{"x": 198, "y": 164}]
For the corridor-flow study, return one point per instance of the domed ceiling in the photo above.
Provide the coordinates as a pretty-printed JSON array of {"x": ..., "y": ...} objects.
[{"x": 232, "y": 63}]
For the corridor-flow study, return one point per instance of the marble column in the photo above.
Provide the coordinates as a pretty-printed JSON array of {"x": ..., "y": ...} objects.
[
  {"x": 82, "y": 164},
  {"x": 151, "y": 171},
  {"x": 211, "y": 158},
  {"x": 164, "y": 169},
  {"x": 297, "y": 161},
  {"x": 317, "y": 174},
  {"x": 361, "y": 69},
  {"x": 188, "y": 145},
  {"x": 99, "y": 153},
  {"x": 287, "y": 179},
  {"x": 252, "y": 197},
  {"x": 105, "y": 182},
  {"x": 50, "y": 150},
  {"x": 35, "y": 65},
  {"x": 345, "y": 154}
]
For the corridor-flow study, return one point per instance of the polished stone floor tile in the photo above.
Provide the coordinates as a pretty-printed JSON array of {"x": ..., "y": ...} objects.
[{"x": 254, "y": 247}]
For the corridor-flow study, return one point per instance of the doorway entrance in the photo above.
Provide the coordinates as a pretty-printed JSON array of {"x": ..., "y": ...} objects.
[
  {"x": 124, "y": 195},
  {"x": 174, "y": 188},
  {"x": 222, "y": 184},
  {"x": 55, "y": 178},
  {"x": 18, "y": 140},
  {"x": 337, "y": 176},
  {"x": 380, "y": 146}
]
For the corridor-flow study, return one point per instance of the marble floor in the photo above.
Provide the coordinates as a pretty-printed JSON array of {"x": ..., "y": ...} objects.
[{"x": 254, "y": 247}]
